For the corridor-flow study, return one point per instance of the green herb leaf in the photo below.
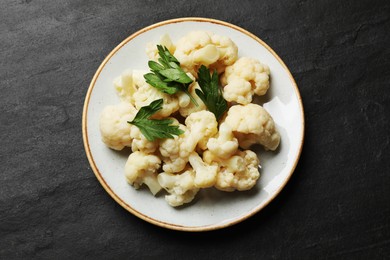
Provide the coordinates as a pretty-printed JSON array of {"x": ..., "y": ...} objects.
[
  {"x": 154, "y": 129},
  {"x": 166, "y": 55},
  {"x": 210, "y": 93},
  {"x": 176, "y": 75},
  {"x": 159, "y": 83},
  {"x": 167, "y": 75},
  {"x": 154, "y": 66}
]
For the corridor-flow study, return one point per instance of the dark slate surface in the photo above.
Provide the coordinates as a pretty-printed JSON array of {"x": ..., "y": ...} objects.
[{"x": 337, "y": 204}]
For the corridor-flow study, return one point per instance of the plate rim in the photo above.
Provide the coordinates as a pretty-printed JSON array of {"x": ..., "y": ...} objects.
[{"x": 138, "y": 214}]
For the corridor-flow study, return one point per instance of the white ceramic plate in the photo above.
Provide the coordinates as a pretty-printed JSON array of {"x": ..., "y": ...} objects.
[{"x": 212, "y": 209}]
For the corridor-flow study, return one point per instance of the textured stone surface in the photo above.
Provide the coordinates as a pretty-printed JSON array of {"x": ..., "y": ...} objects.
[{"x": 335, "y": 206}]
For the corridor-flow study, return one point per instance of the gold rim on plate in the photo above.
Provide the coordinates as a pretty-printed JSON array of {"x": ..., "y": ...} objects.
[{"x": 124, "y": 204}]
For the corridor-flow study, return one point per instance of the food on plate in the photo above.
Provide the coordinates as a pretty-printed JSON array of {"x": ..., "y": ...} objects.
[
  {"x": 205, "y": 174},
  {"x": 202, "y": 126},
  {"x": 210, "y": 93},
  {"x": 189, "y": 119},
  {"x": 152, "y": 51},
  {"x": 224, "y": 144},
  {"x": 180, "y": 187},
  {"x": 205, "y": 48},
  {"x": 186, "y": 106},
  {"x": 141, "y": 168},
  {"x": 167, "y": 76},
  {"x": 239, "y": 172},
  {"x": 243, "y": 79},
  {"x": 114, "y": 128},
  {"x": 146, "y": 94},
  {"x": 252, "y": 124},
  {"x": 154, "y": 128}
]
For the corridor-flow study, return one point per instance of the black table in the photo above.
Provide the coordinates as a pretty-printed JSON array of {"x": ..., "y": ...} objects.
[{"x": 337, "y": 204}]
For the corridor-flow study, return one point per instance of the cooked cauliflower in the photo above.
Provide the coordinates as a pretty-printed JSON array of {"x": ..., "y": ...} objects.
[
  {"x": 151, "y": 48},
  {"x": 181, "y": 187},
  {"x": 114, "y": 129},
  {"x": 228, "y": 52},
  {"x": 175, "y": 151},
  {"x": 140, "y": 143},
  {"x": 205, "y": 48},
  {"x": 205, "y": 174},
  {"x": 245, "y": 78},
  {"x": 251, "y": 124},
  {"x": 239, "y": 172},
  {"x": 238, "y": 90},
  {"x": 146, "y": 94},
  {"x": 138, "y": 78},
  {"x": 124, "y": 86},
  {"x": 141, "y": 169},
  {"x": 203, "y": 155},
  {"x": 225, "y": 144},
  {"x": 202, "y": 126},
  {"x": 127, "y": 84},
  {"x": 185, "y": 104}
]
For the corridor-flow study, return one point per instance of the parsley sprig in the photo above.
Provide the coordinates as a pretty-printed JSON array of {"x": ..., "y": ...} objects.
[
  {"x": 210, "y": 93},
  {"x": 167, "y": 75},
  {"x": 154, "y": 129}
]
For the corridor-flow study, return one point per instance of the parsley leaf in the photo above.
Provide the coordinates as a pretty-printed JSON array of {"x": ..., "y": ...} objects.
[
  {"x": 210, "y": 93},
  {"x": 159, "y": 83},
  {"x": 154, "y": 129},
  {"x": 167, "y": 76},
  {"x": 176, "y": 75}
]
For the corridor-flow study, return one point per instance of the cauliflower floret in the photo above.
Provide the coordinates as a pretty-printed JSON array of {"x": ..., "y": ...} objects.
[
  {"x": 204, "y": 48},
  {"x": 140, "y": 143},
  {"x": 175, "y": 151},
  {"x": 146, "y": 94},
  {"x": 186, "y": 106},
  {"x": 238, "y": 90},
  {"x": 127, "y": 84},
  {"x": 237, "y": 76},
  {"x": 228, "y": 52},
  {"x": 202, "y": 126},
  {"x": 181, "y": 187},
  {"x": 205, "y": 175},
  {"x": 225, "y": 144},
  {"x": 141, "y": 169},
  {"x": 124, "y": 86},
  {"x": 251, "y": 124},
  {"x": 138, "y": 78},
  {"x": 239, "y": 172},
  {"x": 151, "y": 48},
  {"x": 114, "y": 129}
]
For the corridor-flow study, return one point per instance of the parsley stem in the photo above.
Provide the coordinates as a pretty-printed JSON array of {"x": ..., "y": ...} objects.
[{"x": 193, "y": 100}]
